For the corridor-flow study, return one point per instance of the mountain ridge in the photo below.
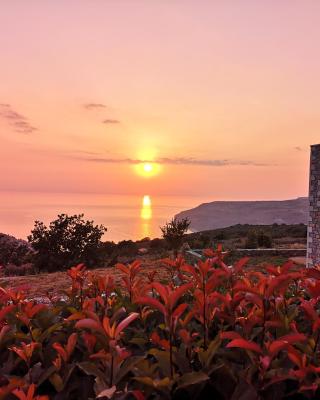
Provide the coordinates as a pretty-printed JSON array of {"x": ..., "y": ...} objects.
[{"x": 221, "y": 214}]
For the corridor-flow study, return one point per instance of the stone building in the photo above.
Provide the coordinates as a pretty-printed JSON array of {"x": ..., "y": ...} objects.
[{"x": 313, "y": 246}]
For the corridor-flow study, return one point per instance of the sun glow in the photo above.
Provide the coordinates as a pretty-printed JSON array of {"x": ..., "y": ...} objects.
[{"x": 148, "y": 169}]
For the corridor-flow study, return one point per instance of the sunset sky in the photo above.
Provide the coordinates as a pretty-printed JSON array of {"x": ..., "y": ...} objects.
[{"x": 223, "y": 97}]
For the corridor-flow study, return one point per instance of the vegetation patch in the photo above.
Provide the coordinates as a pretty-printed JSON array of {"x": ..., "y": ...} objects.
[{"x": 201, "y": 331}]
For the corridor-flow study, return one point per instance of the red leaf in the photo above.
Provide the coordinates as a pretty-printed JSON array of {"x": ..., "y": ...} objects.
[
  {"x": 5, "y": 310},
  {"x": 277, "y": 346},
  {"x": 162, "y": 290},
  {"x": 293, "y": 338},
  {"x": 154, "y": 303},
  {"x": 245, "y": 344},
  {"x": 71, "y": 343},
  {"x": 138, "y": 394},
  {"x": 61, "y": 351},
  {"x": 90, "y": 324},
  {"x": 123, "y": 268},
  {"x": 230, "y": 335},
  {"x": 178, "y": 293},
  {"x": 241, "y": 263},
  {"x": 124, "y": 323},
  {"x": 179, "y": 310}
]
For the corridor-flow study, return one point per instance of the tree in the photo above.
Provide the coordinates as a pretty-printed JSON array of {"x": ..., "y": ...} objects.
[
  {"x": 174, "y": 231},
  {"x": 257, "y": 239},
  {"x": 69, "y": 240},
  {"x": 252, "y": 240}
]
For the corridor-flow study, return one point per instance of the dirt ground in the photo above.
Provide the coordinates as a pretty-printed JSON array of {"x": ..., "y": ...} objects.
[
  {"x": 56, "y": 283},
  {"x": 299, "y": 260}
]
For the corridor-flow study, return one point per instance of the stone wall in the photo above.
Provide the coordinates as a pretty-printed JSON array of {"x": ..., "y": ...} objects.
[{"x": 313, "y": 253}]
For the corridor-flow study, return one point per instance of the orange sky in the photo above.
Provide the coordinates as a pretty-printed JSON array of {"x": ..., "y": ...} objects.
[{"x": 224, "y": 95}]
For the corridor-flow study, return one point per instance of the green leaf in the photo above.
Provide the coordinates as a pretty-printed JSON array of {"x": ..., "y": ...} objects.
[
  {"x": 207, "y": 355},
  {"x": 49, "y": 331},
  {"x": 156, "y": 383},
  {"x": 192, "y": 378},
  {"x": 141, "y": 342},
  {"x": 89, "y": 368},
  {"x": 163, "y": 359},
  {"x": 46, "y": 374},
  {"x": 57, "y": 382},
  {"x": 127, "y": 367}
]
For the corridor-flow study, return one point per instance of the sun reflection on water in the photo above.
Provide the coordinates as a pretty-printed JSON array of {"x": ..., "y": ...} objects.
[
  {"x": 146, "y": 215},
  {"x": 146, "y": 210}
]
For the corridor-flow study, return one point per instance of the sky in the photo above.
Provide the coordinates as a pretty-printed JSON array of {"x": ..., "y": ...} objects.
[{"x": 223, "y": 97}]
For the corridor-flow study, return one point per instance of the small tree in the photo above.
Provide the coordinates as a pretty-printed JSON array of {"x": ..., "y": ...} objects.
[
  {"x": 174, "y": 231},
  {"x": 67, "y": 241},
  {"x": 252, "y": 240},
  {"x": 257, "y": 239},
  {"x": 264, "y": 240}
]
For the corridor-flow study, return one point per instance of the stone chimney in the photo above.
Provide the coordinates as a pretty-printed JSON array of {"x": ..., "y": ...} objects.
[{"x": 313, "y": 246}]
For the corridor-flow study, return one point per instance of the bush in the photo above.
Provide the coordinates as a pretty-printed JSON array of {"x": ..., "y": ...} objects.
[
  {"x": 257, "y": 239},
  {"x": 19, "y": 270},
  {"x": 67, "y": 241},
  {"x": 158, "y": 244},
  {"x": 127, "y": 248},
  {"x": 14, "y": 251},
  {"x": 252, "y": 240},
  {"x": 174, "y": 231},
  {"x": 107, "y": 248},
  {"x": 211, "y": 332}
]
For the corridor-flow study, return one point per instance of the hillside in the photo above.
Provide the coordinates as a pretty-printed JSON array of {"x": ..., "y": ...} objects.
[{"x": 221, "y": 214}]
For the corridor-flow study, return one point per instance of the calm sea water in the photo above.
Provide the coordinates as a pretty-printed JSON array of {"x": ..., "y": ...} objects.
[{"x": 126, "y": 217}]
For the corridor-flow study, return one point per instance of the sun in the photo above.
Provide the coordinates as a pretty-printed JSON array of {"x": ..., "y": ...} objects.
[{"x": 148, "y": 169}]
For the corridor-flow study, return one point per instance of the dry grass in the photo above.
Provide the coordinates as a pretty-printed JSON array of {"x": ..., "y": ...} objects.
[{"x": 56, "y": 283}]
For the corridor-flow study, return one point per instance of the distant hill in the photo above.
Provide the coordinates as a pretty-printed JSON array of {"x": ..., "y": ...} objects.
[{"x": 221, "y": 214}]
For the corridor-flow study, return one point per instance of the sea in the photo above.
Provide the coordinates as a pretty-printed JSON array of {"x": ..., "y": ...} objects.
[{"x": 126, "y": 217}]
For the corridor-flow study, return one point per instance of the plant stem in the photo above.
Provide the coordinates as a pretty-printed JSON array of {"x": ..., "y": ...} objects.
[
  {"x": 205, "y": 333},
  {"x": 111, "y": 371},
  {"x": 316, "y": 343},
  {"x": 170, "y": 349}
]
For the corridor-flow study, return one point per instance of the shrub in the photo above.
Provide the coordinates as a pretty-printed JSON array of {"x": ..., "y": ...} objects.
[
  {"x": 127, "y": 248},
  {"x": 19, "y": 270},
  {"x": 158, "y": 244},
  {"x": 213, "y": 331},
  {"x": 257, "y": 239},
  {"x": 67, "y": 241},
  {"x": 252, "y": 240},
  {"x": 14, "y": 251},
  {"x": 174, "y": 231}
]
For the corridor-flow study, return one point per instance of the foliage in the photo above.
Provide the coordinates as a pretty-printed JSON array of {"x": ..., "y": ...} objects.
[
  {"x": 212, "y": 331},
  {"x": 174, "y": 231},
  {"x": 275, "y": 231},
  {"x": 14, "y": 270},
  {"x": 67, "y": 241},
  {"x": 158, "y": 244},
  {"x": 14, "y": 251},
  {"x": 258, "y": 238},
  {"x": 127, "y": 247}
]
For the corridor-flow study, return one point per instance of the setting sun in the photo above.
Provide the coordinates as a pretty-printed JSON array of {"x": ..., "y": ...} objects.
[{"x": 147, "y": 169}]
